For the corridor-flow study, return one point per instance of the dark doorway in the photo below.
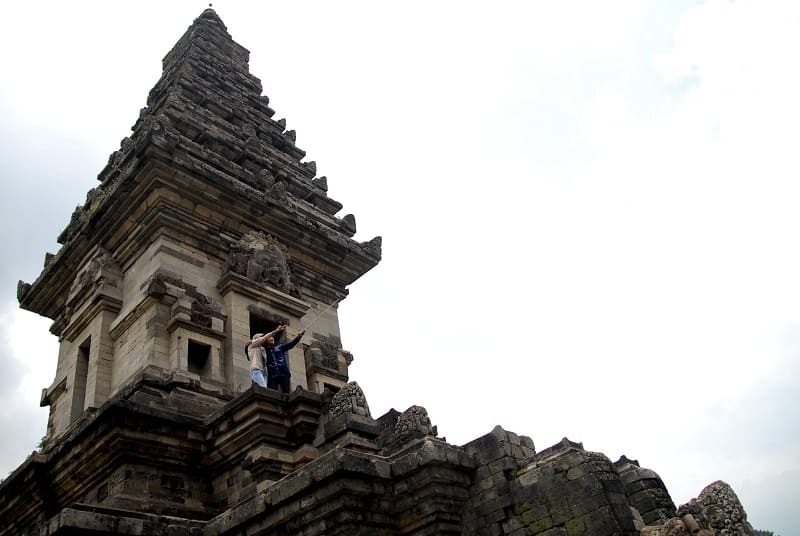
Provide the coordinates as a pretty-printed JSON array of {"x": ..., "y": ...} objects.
[
  {"x": 262, "y": 325},
  {"x": 199, "y": 357}
]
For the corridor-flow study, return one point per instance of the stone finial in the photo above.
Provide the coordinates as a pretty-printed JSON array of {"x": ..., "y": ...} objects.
[
  {"x": 373, "y": 247},
  {"x": 413, "y": 423},
  {"x": 718, "y": 509},
  {"x": 310, "y": 168},
  {"x": 349, "y": 399},
  {"x": 321, "y": 183},
  {"x": 22, "y": 289},
  {"x": 349, "y": 223},
  {"x": 209, "y": 15}
]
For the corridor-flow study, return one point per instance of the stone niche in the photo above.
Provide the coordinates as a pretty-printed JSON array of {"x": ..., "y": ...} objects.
[{"x": 263, "y": 260}]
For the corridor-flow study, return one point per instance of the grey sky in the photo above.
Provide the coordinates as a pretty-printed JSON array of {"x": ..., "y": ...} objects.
[{"x": 589, "y": 210}]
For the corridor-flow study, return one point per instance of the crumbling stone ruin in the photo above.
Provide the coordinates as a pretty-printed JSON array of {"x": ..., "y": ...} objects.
[{"x": 208, "y": 226}]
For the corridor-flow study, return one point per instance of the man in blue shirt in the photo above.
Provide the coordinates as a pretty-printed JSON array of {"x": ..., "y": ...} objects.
[{"x": 278, "y": 374}]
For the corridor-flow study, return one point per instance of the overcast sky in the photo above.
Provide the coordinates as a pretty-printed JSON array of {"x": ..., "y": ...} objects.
[{"x": 589, "y": 210}]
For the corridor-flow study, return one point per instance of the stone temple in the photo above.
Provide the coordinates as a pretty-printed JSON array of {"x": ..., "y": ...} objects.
[{"x": 208, "y": 226}]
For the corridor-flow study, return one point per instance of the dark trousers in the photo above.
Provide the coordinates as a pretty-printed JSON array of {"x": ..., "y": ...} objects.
[{"x": 282, "y": 382}]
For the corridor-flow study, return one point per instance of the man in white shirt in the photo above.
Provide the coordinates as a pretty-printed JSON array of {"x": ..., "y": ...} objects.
[{"x": 257, "y": 354}]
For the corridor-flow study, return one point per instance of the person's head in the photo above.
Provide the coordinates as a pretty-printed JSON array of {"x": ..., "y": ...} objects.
[{"x": 270, "y": 341}]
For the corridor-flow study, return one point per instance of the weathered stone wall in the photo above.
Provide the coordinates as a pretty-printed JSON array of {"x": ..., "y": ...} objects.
[
  {"x": 136, "y": 278},
  {"x": 499, "y": 456},
  {"x": 142, "y": 343},
  {"x": 318, "y": 464},
  {"x": 567, "y": 490},
  {"x": 237, "y": 332},
  {"x": 645, "y": 491},
  {"x": 563, "y": 490},
  {"x": 59, "y": 396}
]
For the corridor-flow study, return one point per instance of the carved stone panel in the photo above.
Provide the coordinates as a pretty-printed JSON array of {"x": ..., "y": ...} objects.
[
  {"x": 201, "y": 311},
  {"x": 264, "y": 260},
  {"x": 322, "y": 356},
  {"x": 328, "y": 351},
  {"x": 349, "y": 399},
  {"x": 102, "y": 268},
  {"x": 413, "y": 423}
]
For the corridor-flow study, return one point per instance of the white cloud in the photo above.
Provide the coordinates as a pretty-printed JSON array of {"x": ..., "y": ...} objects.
[{"x": 28, "y": 356}]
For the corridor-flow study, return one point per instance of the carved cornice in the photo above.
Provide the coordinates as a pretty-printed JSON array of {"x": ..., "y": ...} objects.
[
  {"x": 233, "y": 282},
  {"x": 176, "y": 323},
  {"x": 50, "y": 395}
]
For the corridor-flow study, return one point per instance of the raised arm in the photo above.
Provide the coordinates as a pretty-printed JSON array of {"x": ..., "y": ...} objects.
[
  {"x": 275, "y": 332},
  {"x": 261, "y": 340},
  {"x": 291, "y": 344}
]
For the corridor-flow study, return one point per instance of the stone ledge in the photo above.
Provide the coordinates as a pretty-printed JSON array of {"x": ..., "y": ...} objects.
[{"x": 99, "y": 520}]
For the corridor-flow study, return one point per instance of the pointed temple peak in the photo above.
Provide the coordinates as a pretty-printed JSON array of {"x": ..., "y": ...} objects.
[
  {"x": 209, "y": 15},
  {"x": 208, "y": 123},
  {"x": 208, "y": 29}
]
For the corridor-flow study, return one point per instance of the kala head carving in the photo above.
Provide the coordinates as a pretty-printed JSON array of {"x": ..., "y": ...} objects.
[{"x": 262, "y": 259}]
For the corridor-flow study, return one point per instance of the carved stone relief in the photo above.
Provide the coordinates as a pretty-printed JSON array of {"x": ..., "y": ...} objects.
[
  {"x": 262, "y": 259},
  {"x": 349, "y": 399},
  {"x": 201, "y": 311},
  {"x": 411, "y": 424},
  {"x": 22, "y": 289},
  {"x": 326, "y": 351},
  {"x": 91, "y": 273}
]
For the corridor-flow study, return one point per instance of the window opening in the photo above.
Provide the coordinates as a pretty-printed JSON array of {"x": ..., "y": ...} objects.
[
  {"x": 81, "y": 375},
  {"x": 199, "y": 357}
]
